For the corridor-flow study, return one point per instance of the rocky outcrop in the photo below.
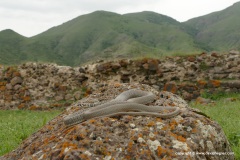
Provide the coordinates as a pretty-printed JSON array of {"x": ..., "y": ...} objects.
[
  {"x": 186, "y": 76},
  {"x": 39, "y": 86},
  {"x": 189, "y": 135},
  {"x": 43, "y": 86}
]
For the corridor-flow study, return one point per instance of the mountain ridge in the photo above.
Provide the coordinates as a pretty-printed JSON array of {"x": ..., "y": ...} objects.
[{"x": 103, "y": 34}]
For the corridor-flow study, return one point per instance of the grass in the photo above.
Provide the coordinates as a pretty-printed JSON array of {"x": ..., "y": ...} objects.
[
  {"x": 226, "y": 113},
  {"x": 15, "y": 126}
]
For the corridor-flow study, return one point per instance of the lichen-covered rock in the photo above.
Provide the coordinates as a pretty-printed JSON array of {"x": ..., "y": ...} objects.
[
  {"x": 127, "y": 137},
  {"x": 186, "y": 76}
]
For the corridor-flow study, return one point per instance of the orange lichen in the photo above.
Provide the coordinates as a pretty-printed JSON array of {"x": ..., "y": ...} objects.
[
  {"x": 161, "y": 151},
  {"x": 26, "y": 98},
  {"x": 173, "y": 135},
  {"x": 2, "y": 88},
  {"x": 21, "y": 106},
  {"x": 84, "y": 156},
  {"x": 49, "y": 127},
  {"x": 173, "y": 124},
  {"x": 171, "y": 87},
  {"x": 194, "y": 130},
  {"x": 158, "y": 119},
  {"x": 202, "y": 83},
  {"x": 151, "y": 123},
  {"x": 70, "y": 145},
  {"x": 87, "y": 92},
  {"x": 215, "y": 83},
  {"x": 182, "y": 139},
  {"x": 92, "y": 121},
  {"x": 130, "y": 146},
  {"x": 165, "y": 127},
  {"x": 33, "y": 107},
  {"x": 117, "y": 85},
  {"x": 140, "y": 135},
  {"x": 3, "y": 83},
  {"x": 16, "y": 74},
  {"x": 98, "y": 142}
]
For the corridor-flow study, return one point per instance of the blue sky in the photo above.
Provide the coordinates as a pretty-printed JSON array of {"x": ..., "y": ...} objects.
[{"x": 31, "y": 17}]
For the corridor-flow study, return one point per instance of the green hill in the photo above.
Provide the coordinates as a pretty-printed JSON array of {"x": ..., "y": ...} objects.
[
  {"x": 10, "y": 47},
  {"x": 219, "y": 30},
  {"x": 104, "y": 34}
]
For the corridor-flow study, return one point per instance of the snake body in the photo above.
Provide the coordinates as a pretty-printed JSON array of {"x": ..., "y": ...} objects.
[{"x": 125, "y": 103}]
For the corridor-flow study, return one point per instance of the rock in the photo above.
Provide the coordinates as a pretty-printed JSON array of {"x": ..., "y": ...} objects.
[
  {"x": 59, "y": 98},
  {"x": 201, "y": 100},
  {"x": 9, "y": 86},
  {"x": 191, "y": 59},
  {"x": 82, "y": 70},
  {"x": 125, "y": 137},
  {"x": 16, "y": 80},
  {"x": 77, "y": 95},
  {"x": 17, "y": 87},
  {"x": 234, "y": 52},
  {"x": 170, "y": 87},
  {"x": 230, "y": 99},
  {"x": 46, "y": 81},
  {"x": 68, "y": 97},
  {"x": 2, "y": 88}
]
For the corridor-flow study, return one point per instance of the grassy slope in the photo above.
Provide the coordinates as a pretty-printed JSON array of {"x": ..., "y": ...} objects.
[
  {"x": 10, "y": 47},
  {"x": 220, "y": 30},
  {"x": 15, "y": 126},
  {"x": 226, "y": 113},
  {"x": 104, "y": 34}
]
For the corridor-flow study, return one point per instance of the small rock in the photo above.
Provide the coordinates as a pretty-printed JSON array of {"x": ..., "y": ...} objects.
[
  {"x": 16, "y": 80},
  {"x": 59, "y": 98},
  {"x": 201, "y": 100},
  {"x": 153, "y": 145},
  {"x": 141, "y": 140},
  {"x": 132, "y": 125}
]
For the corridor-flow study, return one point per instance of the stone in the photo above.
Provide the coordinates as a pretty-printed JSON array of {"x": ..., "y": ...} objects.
[
  {"x": 170, "y": 87},
  {"x": 9, "y": 86},
  {"x": 188, "y": 74},
  {"x": 77, "y": 95},
  {"x": 16, "y": 80},
  {"x": 117, "y": 138},
  {"x": 2, "y": 88},
  {"x": 191, "y": 59},
  {"x": 68, "y": 96},
  {"x": 234, "y": 52},
  {"x": 201, "y": 100},
  {"x": 17, "y": 87},
  {"x": 59, "y": 98}
]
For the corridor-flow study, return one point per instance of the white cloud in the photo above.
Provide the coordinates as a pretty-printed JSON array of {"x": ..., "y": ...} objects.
[{"x": 30, "y": 17}]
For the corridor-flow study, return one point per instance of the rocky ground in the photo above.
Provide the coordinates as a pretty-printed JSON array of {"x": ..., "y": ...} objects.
[
  {"x": 126, "y": 137},
  {"x": 43, "y": 86}
]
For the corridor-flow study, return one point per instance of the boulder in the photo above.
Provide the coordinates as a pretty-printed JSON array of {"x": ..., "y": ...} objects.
[{"x": 125, "y": 137}]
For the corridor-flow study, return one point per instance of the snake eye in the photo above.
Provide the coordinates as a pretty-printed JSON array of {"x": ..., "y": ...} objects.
[{"x": 161, "y": 96}]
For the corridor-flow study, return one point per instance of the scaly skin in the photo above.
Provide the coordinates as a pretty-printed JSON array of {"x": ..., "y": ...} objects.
[{"x": 131, "y": 100}]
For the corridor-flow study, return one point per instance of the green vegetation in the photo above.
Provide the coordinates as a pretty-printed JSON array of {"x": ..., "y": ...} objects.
[
  {"x": 107, "y": 35},
  {"x": 226, "y": 112},
  {"x": 15, "y": 126},
  {"x": 218, "y": 30}
]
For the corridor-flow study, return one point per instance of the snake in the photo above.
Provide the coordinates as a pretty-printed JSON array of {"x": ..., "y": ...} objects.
[{"x": 130, "y": 102}]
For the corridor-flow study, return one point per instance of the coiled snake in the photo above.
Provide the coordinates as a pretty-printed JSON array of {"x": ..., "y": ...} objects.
[{"x": 123, "y": 104}]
